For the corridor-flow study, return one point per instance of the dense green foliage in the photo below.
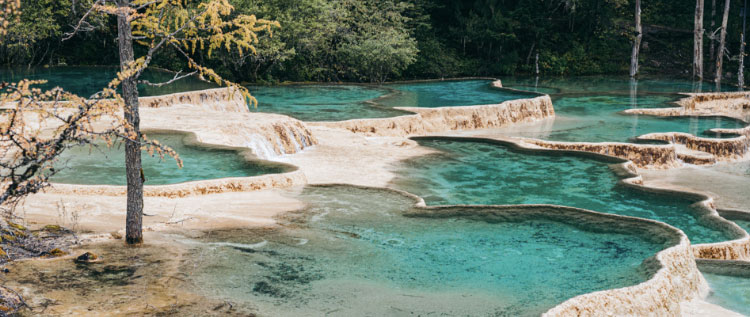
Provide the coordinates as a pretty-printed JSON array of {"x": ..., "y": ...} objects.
[{"x": 379, "y": 40}]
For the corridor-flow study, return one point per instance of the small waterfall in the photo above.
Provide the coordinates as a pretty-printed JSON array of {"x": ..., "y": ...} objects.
[
  {"x": 261, "y": 147},
  {"x": 293, "y": 139}
]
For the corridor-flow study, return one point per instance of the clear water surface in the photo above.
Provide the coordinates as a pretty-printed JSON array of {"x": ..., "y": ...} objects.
[
  {"x": 730, "y": 292},
  {"x": 481, "y": 173},
  {"x": 588, "y": 109},
  {"x": 744, "y": 224},
  {"x": 353, "y": 252},
  {"x": 106, "y": 166},
  {"x": 323, "y": 102},
  {"x": 449, "y": 93},
  {"x": 87, "y": 80}
]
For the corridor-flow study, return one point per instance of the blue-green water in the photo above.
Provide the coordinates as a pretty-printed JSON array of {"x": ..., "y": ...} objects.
[
  {"x": 588, "y": 109},
  {"x": 481, "y": 173},
  {"x": 86, "y": 80},
  {"x": 344, "y": 102},
  {"x": 745, "y": 224},
  {"x": 608, "y": 84},
  {"x": 730, "y": 292},
  {"x": 449, "y": 93},
  {"x": 353, "y": 252},
  {"x": 106, "y": 166},
  {"x": 323, "y": 103}
]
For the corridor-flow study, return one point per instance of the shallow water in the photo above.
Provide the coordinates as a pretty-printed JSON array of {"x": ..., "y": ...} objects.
[
  {"x": 353, "y": 252},
  {"x": 610, "y": 84},
  {"x": 588, "y": 109},
  {"x": 323, "y": 103},
  {"x": 745, "y": 224},
  {"x": 87, "y": 80},
  {"x": 344, "y": 102},
  {"x": 730, "y": 292},
  {"x": 449, "y": 93},
  {"x": 106, "y": 166},
  {"x": 482, "y": 173}
]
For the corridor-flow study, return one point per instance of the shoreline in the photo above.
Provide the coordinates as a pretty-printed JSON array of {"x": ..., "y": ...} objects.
[{"x": 372, "y": 161}]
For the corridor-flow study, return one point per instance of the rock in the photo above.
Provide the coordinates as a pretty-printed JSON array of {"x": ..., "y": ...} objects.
[
  {"x": 10, "y": 302},
  {"x": 16, "y": 226},
  {"x": 115, "y": 235},
  {"x": 52, "y": 228},
  {"x": 88, "y": 257},
  {"x": 56, "y": 252}
]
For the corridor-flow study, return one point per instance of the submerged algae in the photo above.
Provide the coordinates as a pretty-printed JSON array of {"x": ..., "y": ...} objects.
[
  {"x": 355, "y": 251},
  {"x": 477, "y": 172}
]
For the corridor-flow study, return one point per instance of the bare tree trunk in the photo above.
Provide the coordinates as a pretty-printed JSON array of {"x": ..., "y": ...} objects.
[
  {"x": 741, "y": 71},
  {"x": 722, "y": 42},
  {"x": 637, "y": 42},
  {"x": 698, "y": 41},
  {"x": 712, "y": 46},
  {"x": 134, "y": 234},
  {"x": 536, "y": 64}
]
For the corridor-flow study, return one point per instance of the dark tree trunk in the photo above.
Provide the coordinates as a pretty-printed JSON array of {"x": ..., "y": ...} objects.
[
  {"x": 741, "y": 71},
  {"x": 698, "y": 41},
  {"x": 637, "y": 41},
  {"x": 712, "y": 45},
  {"x": 722, "y": 43},
  {"x": 134, "y": 233}
]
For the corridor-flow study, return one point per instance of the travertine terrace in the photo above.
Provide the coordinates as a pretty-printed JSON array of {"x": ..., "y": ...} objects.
[{"x": 359, "y": 152}]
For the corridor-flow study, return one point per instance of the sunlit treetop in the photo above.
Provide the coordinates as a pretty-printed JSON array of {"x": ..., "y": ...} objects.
[
  {"x": 186, "y": 26},
  {"x": 8, "y": 10}
]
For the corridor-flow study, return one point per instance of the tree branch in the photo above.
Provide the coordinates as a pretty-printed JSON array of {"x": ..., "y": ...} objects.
[
  {"x": 82, "y": 22},
  {"x": 174, "y": 79}
]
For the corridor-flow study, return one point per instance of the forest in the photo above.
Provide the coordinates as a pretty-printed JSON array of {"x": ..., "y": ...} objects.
[{"x": 386, "y": 40}]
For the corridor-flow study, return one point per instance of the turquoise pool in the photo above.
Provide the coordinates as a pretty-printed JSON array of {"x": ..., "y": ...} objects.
[
  {"x": 106, "y": 166},
  {"x": 588, "y": 109},
  {"x": 353, "y": 252},
  {"x": 467, "y": 172},
  {"x": 449, "y": 93},
  {"x": 730, "y": 292},
  {"x": 344, "y": 102},
  {"x": 745, "y": 224},
  {"x": 609, "y": 84},
  {"x": 323, "y": 103},
  {"x": 87, "y": 80}
]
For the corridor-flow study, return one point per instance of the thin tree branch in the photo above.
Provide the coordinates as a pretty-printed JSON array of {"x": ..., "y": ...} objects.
[{"x": 174, "y": 79}]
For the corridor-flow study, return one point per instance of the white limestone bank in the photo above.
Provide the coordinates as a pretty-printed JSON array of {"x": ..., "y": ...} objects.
[
  {"x": 728, "y": 104},
  {"x": 431, "y": 120},
  {"x": 222, "y": 117}
]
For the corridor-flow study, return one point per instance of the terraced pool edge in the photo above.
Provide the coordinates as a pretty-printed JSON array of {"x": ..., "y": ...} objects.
[
  {"x": 431, "y": 120},
  {"x": 726, "y": 104},
  {"x": 598, "y": 300},
  {"x": 737, "y": 249},
  {"x": 293, "y": 177},
  {"x": 676, "y": 280}
]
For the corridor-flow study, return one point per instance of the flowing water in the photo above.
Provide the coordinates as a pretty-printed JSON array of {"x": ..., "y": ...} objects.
[
  {"x": 106, "y": 166},
  {"x": 468, "y": 172},
  {"x": 356, "y": 252}
]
